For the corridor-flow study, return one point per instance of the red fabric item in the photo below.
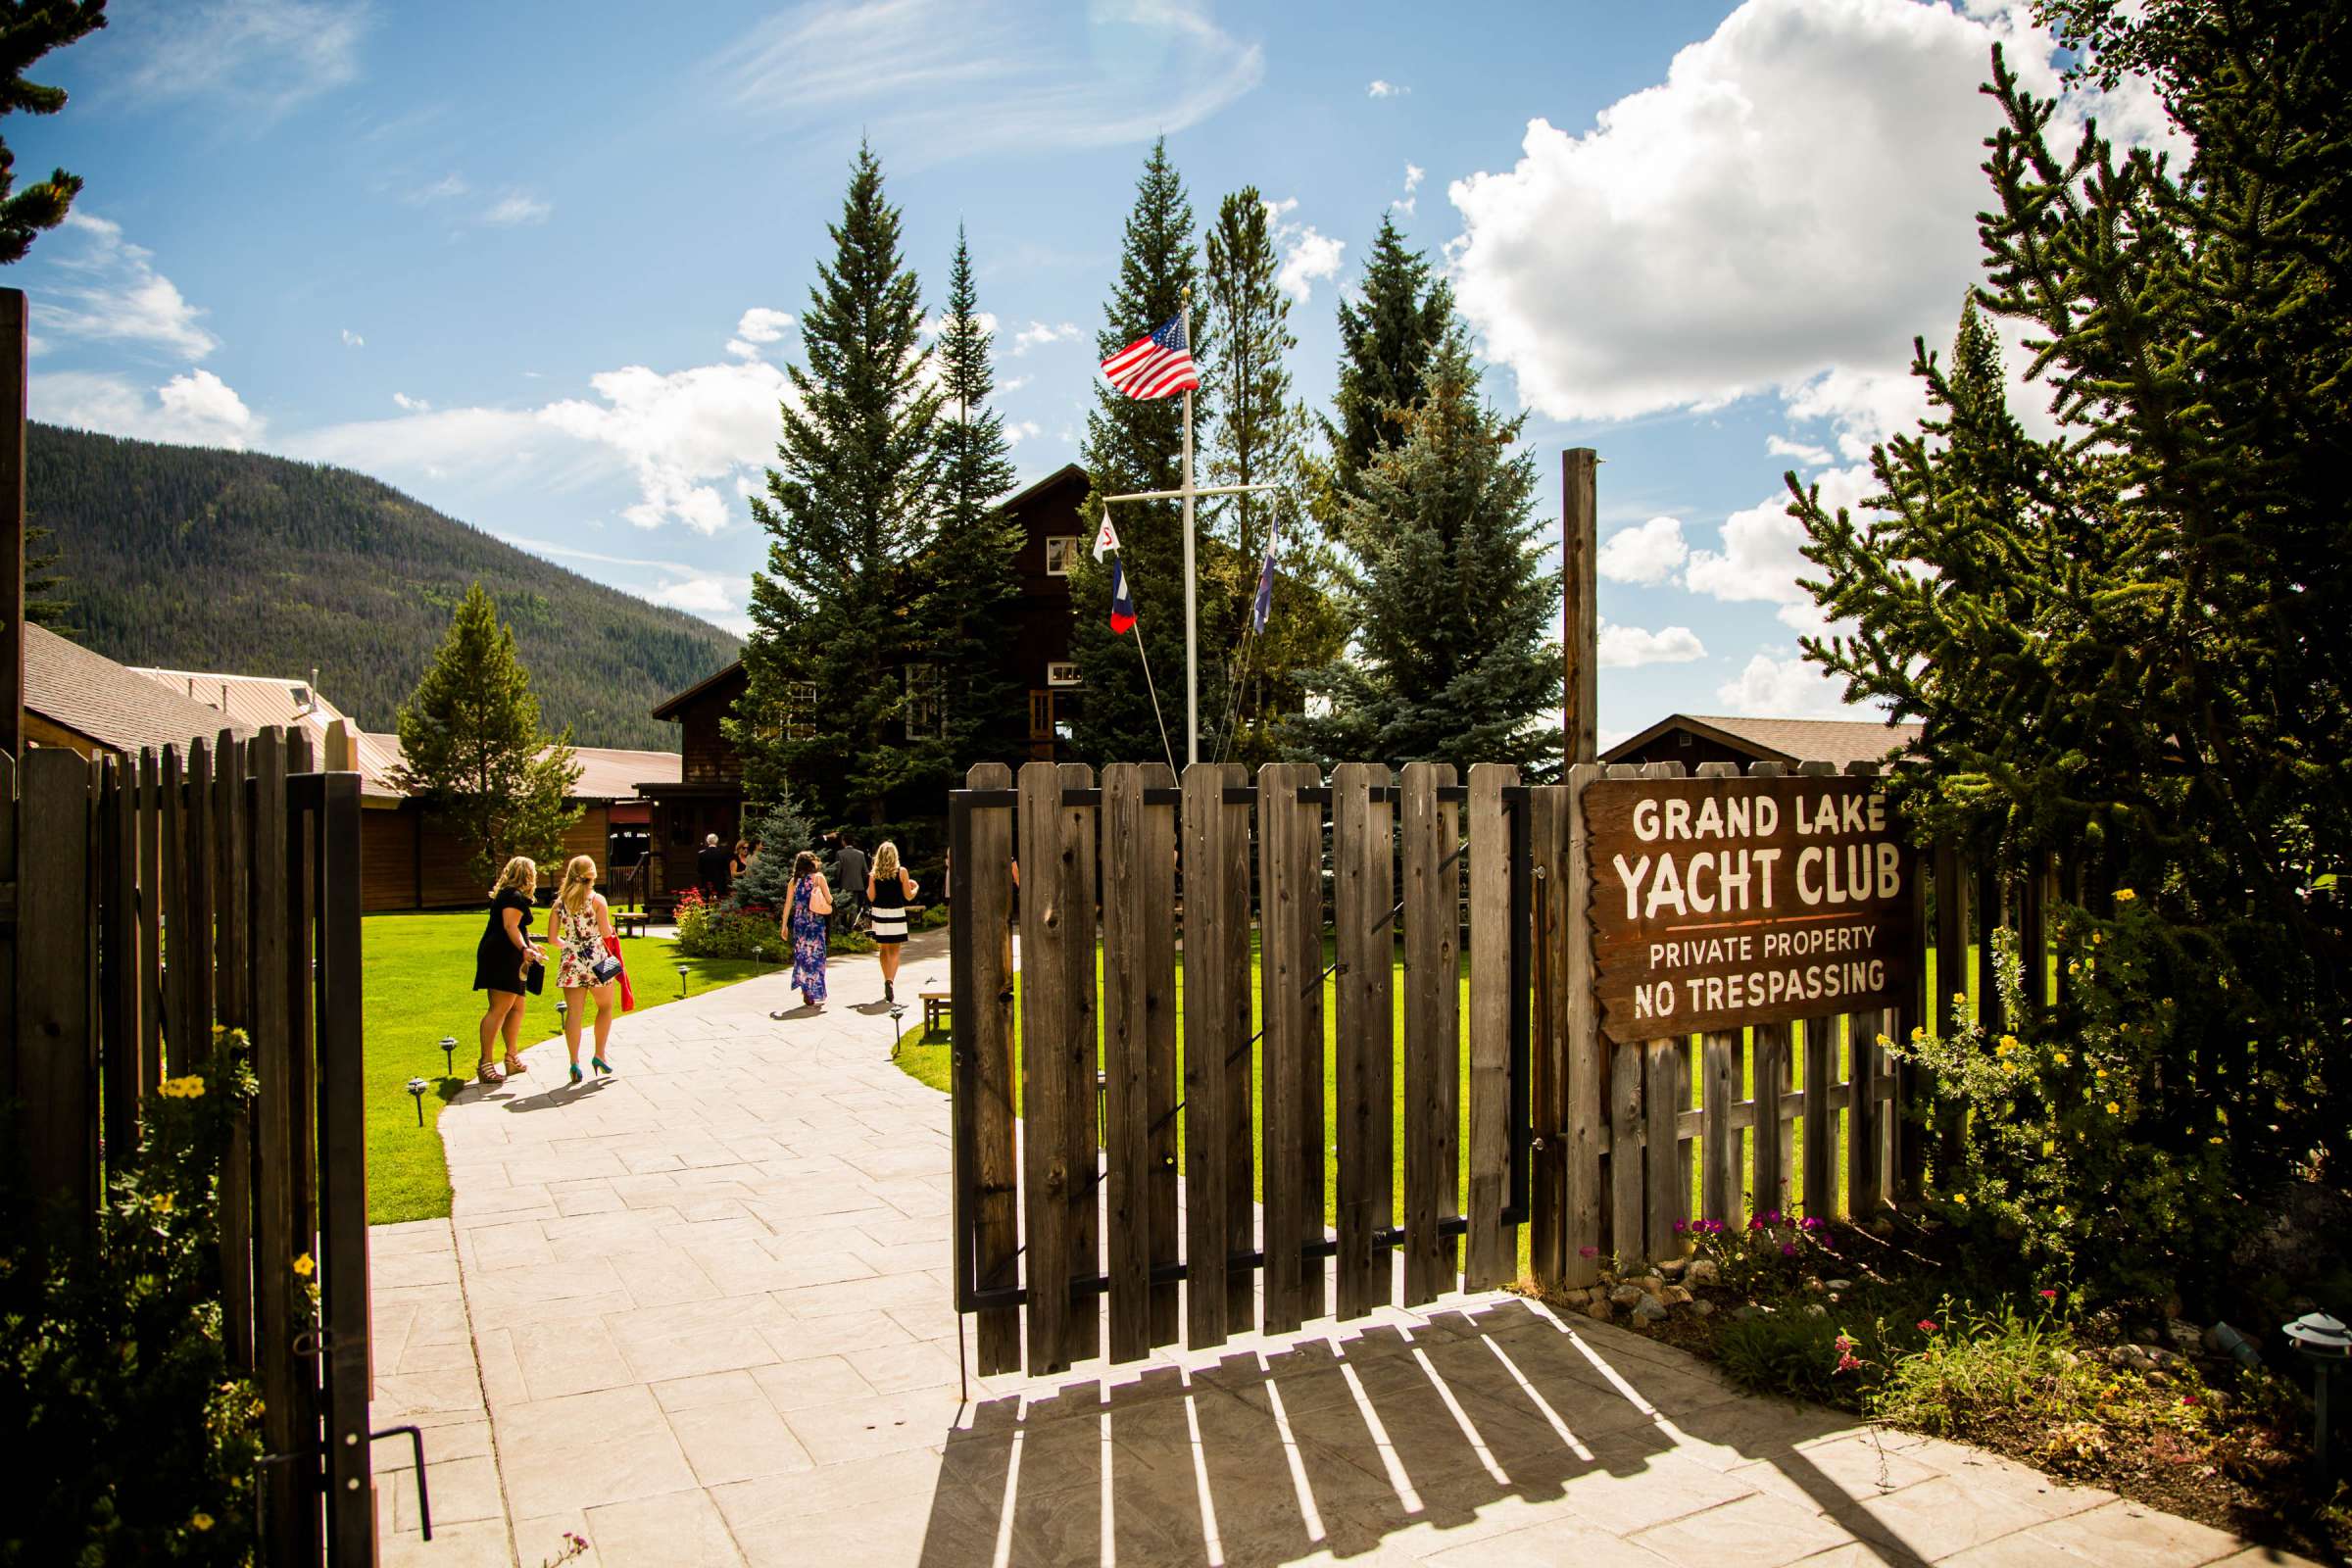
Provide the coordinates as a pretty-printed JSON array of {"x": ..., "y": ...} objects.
[{"x": 628, "y": 998}]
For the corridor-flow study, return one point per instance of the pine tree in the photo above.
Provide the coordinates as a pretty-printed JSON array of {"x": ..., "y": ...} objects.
[
  {"x": 471, "y": 746},
  {"x": 970, "y": 572},
  {"x": 27, "y": 33},
  {"x": 782, "y": 833},
  {"x": 1388, "y": 334},
  {"x": 45, "y": 601},
  {"x": 1452, "y": 661},
  {"x": 848, "y": 511},
  {"x": 1136, "y": 445},
  {"x": 2123, "y": 643},
  {"x": 1258, "y": 440}
]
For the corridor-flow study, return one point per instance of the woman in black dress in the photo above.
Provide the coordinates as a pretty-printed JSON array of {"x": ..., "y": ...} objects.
[
  {"x": 888, "y": 887},
  {"x": 501, "y": 962}
]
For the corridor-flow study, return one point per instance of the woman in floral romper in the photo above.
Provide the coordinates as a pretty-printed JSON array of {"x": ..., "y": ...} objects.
[
  {"x": 584, "y": 932},
  {"x": 806, "y": 920}
]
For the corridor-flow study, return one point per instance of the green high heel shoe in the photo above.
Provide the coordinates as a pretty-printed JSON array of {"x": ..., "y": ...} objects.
[
  {"x": 603, "y": 1066},
  {"x": 575, "y": 1074}
]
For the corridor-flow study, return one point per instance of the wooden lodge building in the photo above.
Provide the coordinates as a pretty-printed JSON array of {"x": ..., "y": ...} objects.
[
  {"x": 1691, "y": 739},
  {"x": 705, "y": 794}
]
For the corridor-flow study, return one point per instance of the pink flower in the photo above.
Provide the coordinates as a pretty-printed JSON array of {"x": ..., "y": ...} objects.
[
  {"x": 2189, "y": 1398},
  {"x": 1787, "y": 1249},
  {"x": 1680, "y": 1226},
  {"x": 1587, "y": 1252},
  {"x": 1927, "y": 1325},
  {"x": 2049, "y": 1296}
]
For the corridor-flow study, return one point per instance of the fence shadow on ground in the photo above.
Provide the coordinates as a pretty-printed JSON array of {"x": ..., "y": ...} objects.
[{"x": 1460, "y": 1429}]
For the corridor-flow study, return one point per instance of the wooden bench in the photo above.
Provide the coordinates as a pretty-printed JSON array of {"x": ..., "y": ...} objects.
[
  {"x": 935, "y": 1008},
  {"x": 630, "y": 923}
]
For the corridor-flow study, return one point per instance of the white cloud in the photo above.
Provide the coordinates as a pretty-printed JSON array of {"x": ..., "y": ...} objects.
[
  {"x": 412, "y": 404},
  {"x": 1631, "y": 646},
  {"x": 1384, "y": 89},
  {"x": 715, "y": 596},
  {"x": 193, "y": 409},
  {"x": 516, "y": 208},
  {"x": 1812, "y": 457},
  {"x": 107, "y": 289},
  {"x": 935, "y": 79},
  {"x": 1414, "y": 174},
  {"x": 353, "y": 340},
  {"x": 1307, "y": 254},
  {"x": 1786, "y": 211},
  {"x": 759, "y": 327},
  {"x": 1018, "y": 430},
  {"x": 1648, "y": 552},
  {"x": 445, "y": 188},
  {"x": 511, "y": 444},
  {"x": 267, "y": 53},
  {"x": 679, "y": 433},
  {"x": 1037, "y": 334},
  {"x": 1762, "y": 556},
  {"x": 1012, "y": 383},
  {"x": 1786, "y": 688}
]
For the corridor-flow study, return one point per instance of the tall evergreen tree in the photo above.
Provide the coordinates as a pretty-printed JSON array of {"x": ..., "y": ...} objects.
[
  {"x": 1452, "y": 661},
  {"x": 782, "y": 833},
  {"x": 1259, "y": 439},
  {"x": 2124, "y": 642},
  {"x": 471, "y": 746},
  {"x": 850, "y": 507},
  {"x": 1387, "y": 335},
  {"x": 28, "y": 33},
  {"x": 45, "y": 601},
  {"x": 1135, "y": 445},
  {"x": 970, "y": 573}
]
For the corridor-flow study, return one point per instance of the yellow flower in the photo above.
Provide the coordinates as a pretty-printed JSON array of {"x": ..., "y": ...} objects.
[
  {"x": 2102, "y": 1072},
  {"x": 304, "y": 1266},
  {"x": 2214, "y": 1139},
  {"x": 2049, "y": 1146},
  {"x": 163, "y": 1203},
  {"x": 2097, "y": 937},
  {"x": 2006, "y": 1047},
  {"x": 1885, "y": 1040},
  {"x": 1961, "y": 1199},
  {"x": 2114, "y": 1110},
  {"x": 2124, "y": 895},
  {"x": 2059, "y": 1213},
  {"x": 1920, "y": 1033},
  {"x": 2074, "y": 966},
  {"x": 2059, "y": 1056},
  {"x": 200, "y": 1521}
]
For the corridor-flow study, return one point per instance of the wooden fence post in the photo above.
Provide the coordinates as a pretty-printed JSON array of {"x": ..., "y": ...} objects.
[
  {"x": 234, "y": 819},
  {"x": 194, "y": 944},
  {"x": 151, "y": 920},
  {"x": 1362, "y": 856},
  {"x": 983, "y": 1044},
  {"x": 1490, "y": 1254},
  {"x": 1051, "y": 942},
  {"x": 1628, "y": 1088},
  {"x": 1550, "y": 1082},
  {"x": 56, "y": 1020},
  {"x": 1216, "y": 1048},
  {"x": 1138, "y": 1019},
  {"x": 1587, "y": 1058},
  {"x": 1429, "y": 830},
  {"x": 171, "y": 896},
  {"x": 119, "y": 956},
  {"x": 1821, "y": 1085},
  {"x": 1290, "y": 945}
]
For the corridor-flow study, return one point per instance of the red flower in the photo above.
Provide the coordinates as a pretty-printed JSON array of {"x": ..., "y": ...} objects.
[
  {"x": 1927, "y": 1325},
  {"x": 2049, "y": 1296}
]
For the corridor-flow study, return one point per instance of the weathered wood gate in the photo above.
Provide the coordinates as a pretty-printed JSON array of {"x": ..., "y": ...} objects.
[
  {"x": 153, "y": 898},
  {"x": 1127, "y": 1126}
]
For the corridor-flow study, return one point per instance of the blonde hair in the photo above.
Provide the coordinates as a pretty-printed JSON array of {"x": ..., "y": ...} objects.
[
  {"x": 522, "y": 875},
  {"x": 885, "y": 861},
  {"x": 579, "y": 881}
]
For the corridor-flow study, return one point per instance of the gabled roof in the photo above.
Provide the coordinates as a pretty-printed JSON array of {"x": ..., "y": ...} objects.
[
  {"x": 1061, "y": 475},
  {"x": 1784, "y": 740},
  {"x": 255, "y": 700},
  {"x": 607, "y": 772},
  {"x": 91, "y": 695}
]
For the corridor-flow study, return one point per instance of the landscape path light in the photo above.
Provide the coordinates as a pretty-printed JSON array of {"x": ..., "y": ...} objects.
[
  {"x": 681, "y": 982},
  {"x": 416, "y": 1089},
  {"x": 449, "y": 1057},
  {"x": 2327, "y": 1344}
]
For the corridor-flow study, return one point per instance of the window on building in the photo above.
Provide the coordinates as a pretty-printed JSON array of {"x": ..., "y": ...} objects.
[
  {"x": 1061, "y": 673},
  {"x": 1060, "y": 550},
  {"x": 926, "y": 706},
  {"x": 799, "y": 713}
]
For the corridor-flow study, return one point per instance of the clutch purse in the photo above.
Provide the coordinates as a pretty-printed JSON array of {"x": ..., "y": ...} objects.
[
  {"x": 534, "y": 977},
  {"x": 606, "y": 968}
]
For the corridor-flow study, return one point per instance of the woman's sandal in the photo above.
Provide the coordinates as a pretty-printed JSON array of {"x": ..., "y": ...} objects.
[
  {"x": 603, "y": 1067},
  {"x": 516, "y": 1064},
  {"x": 488, "y": 1073}
]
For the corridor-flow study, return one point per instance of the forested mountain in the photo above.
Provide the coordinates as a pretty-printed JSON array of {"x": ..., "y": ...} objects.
[{"x": 199, "y": 558}]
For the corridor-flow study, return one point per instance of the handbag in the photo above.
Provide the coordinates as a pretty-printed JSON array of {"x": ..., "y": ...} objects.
[
  {"x": 606, "y": 968},
  {"x": 534, "y": 977}
]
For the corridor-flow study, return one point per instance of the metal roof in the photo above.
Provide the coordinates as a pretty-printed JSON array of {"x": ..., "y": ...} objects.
[
  {"x": 1785, "y": 740},
  {"x": 91, "y": 695}
]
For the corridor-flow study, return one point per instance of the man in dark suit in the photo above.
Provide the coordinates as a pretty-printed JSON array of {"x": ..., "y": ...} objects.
[
  {"x": 714, "y": 871},
  {"x": 848, "y": 884}
]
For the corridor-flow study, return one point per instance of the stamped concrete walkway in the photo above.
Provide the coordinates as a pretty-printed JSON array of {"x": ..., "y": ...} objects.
[{"x": 700, "y": 1314}]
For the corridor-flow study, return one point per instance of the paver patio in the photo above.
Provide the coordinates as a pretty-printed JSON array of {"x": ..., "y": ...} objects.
[{"x": 701, "y": 1314}]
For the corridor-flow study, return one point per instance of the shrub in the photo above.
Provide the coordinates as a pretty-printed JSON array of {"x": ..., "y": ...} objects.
[
  {"x": 135, "y": 1441},
  {"x": 707, "y": 930},
  {"x": 1786, "y": 1351},
  {"x": 2072, "y": 1169}
]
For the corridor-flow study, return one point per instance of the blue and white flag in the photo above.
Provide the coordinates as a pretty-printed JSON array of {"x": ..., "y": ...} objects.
[{"x": 1266, "y": 590}]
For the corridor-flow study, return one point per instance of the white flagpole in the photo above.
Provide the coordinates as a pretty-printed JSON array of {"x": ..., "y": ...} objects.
[{"x": 1192, "y": 649}]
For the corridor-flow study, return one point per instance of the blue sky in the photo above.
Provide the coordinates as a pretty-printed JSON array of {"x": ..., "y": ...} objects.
[{"x": 538, "y": 264}]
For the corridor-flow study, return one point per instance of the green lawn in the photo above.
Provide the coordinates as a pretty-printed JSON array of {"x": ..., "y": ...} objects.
[
  {"x": 418, "y": 988},
  {"x": 928, "y": 1062}
]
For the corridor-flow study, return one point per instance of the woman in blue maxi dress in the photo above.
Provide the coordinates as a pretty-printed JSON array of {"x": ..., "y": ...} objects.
[{"x": 805, "y": 925}]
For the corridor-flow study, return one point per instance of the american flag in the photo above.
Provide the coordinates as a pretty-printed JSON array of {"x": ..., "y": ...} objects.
[{"x": 1155, "y": 365}]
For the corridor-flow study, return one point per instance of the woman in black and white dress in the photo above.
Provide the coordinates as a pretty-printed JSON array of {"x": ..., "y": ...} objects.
[{"x": 888, "y": 888}]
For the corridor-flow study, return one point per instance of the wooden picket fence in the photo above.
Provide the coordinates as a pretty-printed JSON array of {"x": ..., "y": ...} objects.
[
  {"x": 1103, "y": 1140},
  {"x": 141, "y": 902}
]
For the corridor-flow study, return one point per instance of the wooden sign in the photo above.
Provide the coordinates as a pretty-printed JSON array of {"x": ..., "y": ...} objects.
[{"x": 1720, "y": 902}]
